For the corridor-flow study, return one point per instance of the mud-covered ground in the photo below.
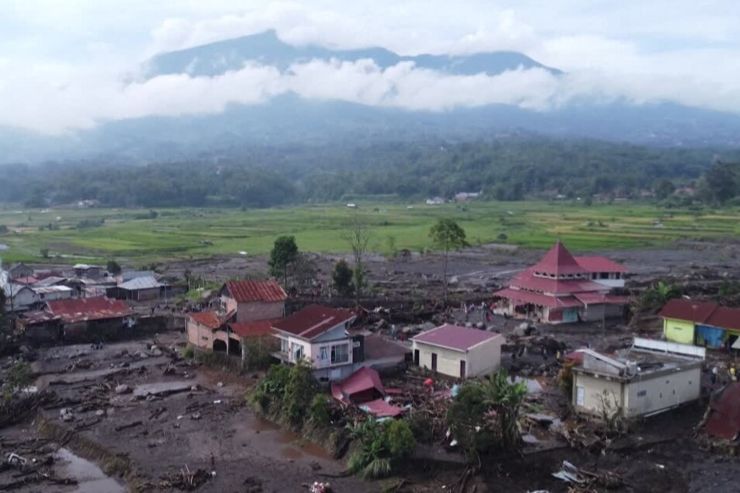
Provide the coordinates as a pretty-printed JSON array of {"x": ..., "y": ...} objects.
[{"x": 172, "y": 415}]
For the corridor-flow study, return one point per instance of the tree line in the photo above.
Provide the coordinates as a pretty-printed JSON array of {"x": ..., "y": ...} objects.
[{"x": 503, "y": 169}]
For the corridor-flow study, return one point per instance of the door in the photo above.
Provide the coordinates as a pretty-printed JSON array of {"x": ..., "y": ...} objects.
[
  {"x": 416, "y": 357},
  {"x": 434, "y": 361},
  {"x": 580, "y": 395},
  {"x": 462, "y": 368}
]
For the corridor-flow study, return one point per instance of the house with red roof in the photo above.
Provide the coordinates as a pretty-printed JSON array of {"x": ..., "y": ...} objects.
[
  {"x": 253, "y": 300},
  {"x": 248, "y": 308},
  {"x": 94, "y": 319},
  {"x": 563, "y": 288},
  {"x": 318, "y": 336},
  {"x": 457, "y": 351},
  {"x": 704, "y": 323}
]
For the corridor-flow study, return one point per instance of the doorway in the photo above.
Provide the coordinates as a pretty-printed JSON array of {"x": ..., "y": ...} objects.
[
  {"x": 434, "y": 361},
  {"x": 462, "y": 368}
]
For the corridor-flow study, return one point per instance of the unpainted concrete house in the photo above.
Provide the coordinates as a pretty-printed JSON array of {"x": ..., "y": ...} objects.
[
  {"x": 459, "y": 352},
  {"x": 649, "y": 378}
]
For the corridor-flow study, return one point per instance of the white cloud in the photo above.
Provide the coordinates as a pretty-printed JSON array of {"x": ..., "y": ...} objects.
[{"x": 63, "y": 62}]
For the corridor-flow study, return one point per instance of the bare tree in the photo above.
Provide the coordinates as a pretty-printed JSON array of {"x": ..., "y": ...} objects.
[{"x": 358, "y": 237}]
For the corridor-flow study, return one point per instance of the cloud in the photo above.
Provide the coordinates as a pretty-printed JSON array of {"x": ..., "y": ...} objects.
[{"x": 62, "y": 62}]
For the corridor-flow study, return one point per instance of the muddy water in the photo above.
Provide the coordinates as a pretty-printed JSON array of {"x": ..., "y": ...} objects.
[
  {"x": 90, "y": 478},
  {"x": 296, "y": 446}
]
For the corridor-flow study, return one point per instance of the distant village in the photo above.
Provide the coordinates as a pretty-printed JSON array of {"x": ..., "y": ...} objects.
[{"x": 368, "y": 366}]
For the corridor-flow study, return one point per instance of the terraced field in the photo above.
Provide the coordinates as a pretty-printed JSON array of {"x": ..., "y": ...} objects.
[{"x": 135, "y": 236}]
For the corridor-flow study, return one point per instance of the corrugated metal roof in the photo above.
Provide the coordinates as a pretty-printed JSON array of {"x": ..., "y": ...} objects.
[
  {"x": 360, "y": 381},
  {"x": 50, "y": 289},
  {"x": 84, "y": 309},
  {"x": 313, "y": 320},
  {"x": 558, "y": 261},
  {"x": 599, "y": 264},
  {"x": 455, "y": 337},
  {"x": 127, "y": 275},
  {"x": 141, "y": 283},
  {"x": 248, "y": 290},
  {"x": 725, "y": 317},
  {"x": 724, "y": 417},
  {"x": 691, "y": 310}
]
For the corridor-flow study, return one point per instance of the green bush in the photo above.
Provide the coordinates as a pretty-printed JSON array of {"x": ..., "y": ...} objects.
[
  {"x": 298, "y": 395},
  {"x": 382, "y": 447},
  {"x": 319, "y": 413},
  {"x": 19, "y": 376},
  {"x": 188, "y": 352}
]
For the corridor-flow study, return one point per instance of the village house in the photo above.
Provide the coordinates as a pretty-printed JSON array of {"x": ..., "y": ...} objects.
[
  {"x": 19, "y": 270},
  {"x": 318, "y": 335},
  {"x": 459, "y": 352},
  {"x": 253, "y": 300},
  {"x": 562, "y": 288},
  {"x": 139, "y": 289},
  {"x": 703, "y": 323},
  {"x": 18, "y": 297},
  {"x": 88, "y": 319},
  {"x": 648, "y": 378},
  {"x": 89, "y": 271}
]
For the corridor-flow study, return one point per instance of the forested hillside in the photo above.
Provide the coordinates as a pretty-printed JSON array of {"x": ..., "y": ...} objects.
[{"x": 504, "y": 169}]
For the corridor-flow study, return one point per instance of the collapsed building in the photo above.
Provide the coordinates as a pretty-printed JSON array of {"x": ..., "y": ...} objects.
[{"x": 562, "y": 288}]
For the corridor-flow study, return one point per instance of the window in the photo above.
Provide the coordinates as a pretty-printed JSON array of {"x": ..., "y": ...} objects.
[
  {"x": 284, "y": 345},
  {"x": 323, "y": 353},
  {"x": 642, "y": 393},
  {"x": 580, "y": 395},
  {"x": 339, "y": 354}
]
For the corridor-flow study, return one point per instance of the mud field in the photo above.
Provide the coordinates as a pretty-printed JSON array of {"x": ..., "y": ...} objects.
[{"x": 134, "y": 415}]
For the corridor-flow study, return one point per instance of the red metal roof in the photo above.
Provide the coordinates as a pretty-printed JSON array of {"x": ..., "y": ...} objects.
[
  {"x": 252, "y": 329},
  {"x": 527, "y": 280},
  {"x": 26, "y": 281},
  {"x": 725, "y": 318},
  {"x": 209, "y": 319},
  {"x": 521, "y": 297},
  {"x": 248, "y": 290},
  {"x": 381, "y": 409},
  {"x": 455, "y": 337},
  {"x": 691, "y": 310},
  {"x": 724, "y": 416},
  {"x": 84, "y": 309},
  {"x": 313, "y": 320},
  {"x": 558, "y": 261},
  {"x": 599, "y": 264},
  {"x": 601, "y": 299},
  {"x": 360, "y": 381}
]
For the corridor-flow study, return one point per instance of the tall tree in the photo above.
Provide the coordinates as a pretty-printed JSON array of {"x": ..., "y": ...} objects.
[
  {"x": 358, "y": 237},
  {"x": 113, "y": 267},
  {"x": 721, "y": 182},
  {"x": 284, "y": 253},
  {"x": 447, "y": 235}
]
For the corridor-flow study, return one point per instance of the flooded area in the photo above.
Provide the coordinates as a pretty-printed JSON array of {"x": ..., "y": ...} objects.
[{"x": 90, "y": 478}]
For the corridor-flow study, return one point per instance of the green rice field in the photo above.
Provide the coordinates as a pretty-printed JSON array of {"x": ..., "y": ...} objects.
[{"x": 129, "y": 235}]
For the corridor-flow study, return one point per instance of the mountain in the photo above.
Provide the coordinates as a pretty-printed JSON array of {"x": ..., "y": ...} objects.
[
  {"x": 289, "y": 119},
  {"x": 267, "y": 49}
]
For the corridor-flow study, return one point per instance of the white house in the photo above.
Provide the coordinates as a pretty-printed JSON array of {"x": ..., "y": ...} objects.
[
  {"x": 318, "y": 335},
  {"x": 649, "y": 378},
  {"x": 458, "y": 351},
  {"x": 19, "y": 297}
]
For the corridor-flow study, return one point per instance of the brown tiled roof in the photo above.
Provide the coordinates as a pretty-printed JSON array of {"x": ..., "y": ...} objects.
[
  {"x": 313, "y": 320},
  {"x": 247, "y": 290},
  {"x": 84, "y": 309},
  {"x": 208, "y": 319}
]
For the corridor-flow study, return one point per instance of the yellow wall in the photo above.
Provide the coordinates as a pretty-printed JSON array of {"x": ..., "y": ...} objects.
[{"x": 678, "y": 331}]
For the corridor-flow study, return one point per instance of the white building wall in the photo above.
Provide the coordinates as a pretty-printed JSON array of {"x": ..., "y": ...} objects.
[
  {"x": 591, "y": 393},
  {"x": 484, "y": 358},
  {"x": 662, "y": 392}
]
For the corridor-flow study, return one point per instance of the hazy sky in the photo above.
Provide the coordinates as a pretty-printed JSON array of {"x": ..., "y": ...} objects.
[{"x": 68, "y": 64}]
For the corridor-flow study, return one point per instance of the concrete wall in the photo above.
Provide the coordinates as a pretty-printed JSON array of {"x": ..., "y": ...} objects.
[
  {"x": 250, "y": 312},
  {"x": 593, "y": 391},
  {"x": 480, "y": 360},
  {"x": 638, "y": 397},
  {"x": 662, "y": 392},
  {"x": 678, "y": 330},
  {"x": 200, "y": 335}
]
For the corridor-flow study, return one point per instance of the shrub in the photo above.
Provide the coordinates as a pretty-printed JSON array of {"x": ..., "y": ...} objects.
[
  {"x": 18, "y": 377},
  {"x": 188, "y": 352},
  {"x": 299, "y": 391},
  {"x": 382, "y": 447},
  {"x": 319, "y": 414}
]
